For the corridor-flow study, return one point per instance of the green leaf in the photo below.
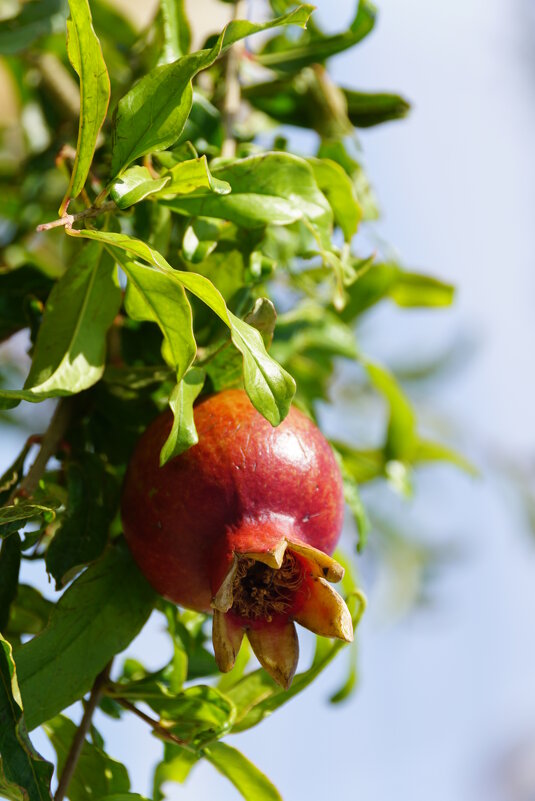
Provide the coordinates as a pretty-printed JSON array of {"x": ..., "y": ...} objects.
[
  {"x": 176, "y": 30},
  {"x": 85, "y": 55},
  {"x": 96, "y": 618},
  {"x": 123, "y": 797},
  {"x": 365, "y": 109},
  {"x": 250, "y": 782},
  {"x": 183, "y": 433},
  {"x": 70, "y": 350},
  {"x": 157, "y": 296},
  {"x": 29, "y": 612},
  {"x": 401, "y": 435},
  {"x": 428, "y": 451},
  {"x": 19, "y": 288},
  {"x": 417, "y": 290},
  {"x": 189, "y": 176},
  {"x": 134, "y": 185},
  {"x": 174, "y": 767},
  {"x": 269, "y": 387},
  {"x": 198, "y": 715},
  {"x": 9, "y": 577},
  {"x": 286, "y": 55},
  {"x": 35, "y": 19},
  {"x": 267, "y": 189},
  {"x": 83, "y": 531},
  {"x": 151, "y": 116},
  {"x": 96, "y": 775},
  {"x": 16, "y": 515},
  {"x": 339, "y": 191},
  {"x": 21, "y": 767}
]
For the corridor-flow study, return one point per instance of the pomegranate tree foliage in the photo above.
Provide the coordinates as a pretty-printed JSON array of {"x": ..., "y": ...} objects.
[{"x": 157, "y": 290}]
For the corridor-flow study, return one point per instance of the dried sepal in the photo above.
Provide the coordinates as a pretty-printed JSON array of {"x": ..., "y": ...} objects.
[{"x": 276, "y": 647}]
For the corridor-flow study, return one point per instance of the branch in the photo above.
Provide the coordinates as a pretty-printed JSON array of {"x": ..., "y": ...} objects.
[
  {"x": 155, "y": 725},
  {"x": 49, "y": 446},
  {"x": 231, "y": 101},
  {"x": 79, "y": 738},
  {"x": 68, "y": 220}
]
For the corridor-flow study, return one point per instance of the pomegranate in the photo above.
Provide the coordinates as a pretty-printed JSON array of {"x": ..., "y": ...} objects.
[{"x": 242, "y": 524}]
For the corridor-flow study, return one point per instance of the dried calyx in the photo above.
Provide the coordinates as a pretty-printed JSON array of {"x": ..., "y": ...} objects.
[{"x": 264, "y": 594}]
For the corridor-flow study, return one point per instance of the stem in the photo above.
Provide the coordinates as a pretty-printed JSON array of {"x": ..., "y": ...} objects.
[
  {"x": 156, "y": 726},
  {"x": 79, "y": 738},
  {"x": 68, "y": 220},
  {"x": 49, "y": 445},
  {"x": 231, "y": 101}
]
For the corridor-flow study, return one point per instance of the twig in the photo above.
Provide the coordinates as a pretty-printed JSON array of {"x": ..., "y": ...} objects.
[
  {"x": 79, "y": 738},
  {"x": 156, "y": 726},
  {"x": 50, "y": 443},
  {"x": 68, "y": 220},
  {"x": 231, "y": 101}
]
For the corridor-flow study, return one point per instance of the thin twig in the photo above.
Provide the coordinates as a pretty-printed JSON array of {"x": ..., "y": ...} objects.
[
  {"x": 156, "y": 726},
  {"x": 50, "y": 443},
  {"x": 232, "y": 99},
  {"x": 79, "y": 738},
  {"x": 68, "y": 220}
]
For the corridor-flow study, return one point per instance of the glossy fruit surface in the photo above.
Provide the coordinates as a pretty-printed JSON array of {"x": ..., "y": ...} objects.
[{"x": 242, "y": 523}]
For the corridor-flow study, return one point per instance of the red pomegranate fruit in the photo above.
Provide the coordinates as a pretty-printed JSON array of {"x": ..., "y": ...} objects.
[{"x": 242, "y": 524}]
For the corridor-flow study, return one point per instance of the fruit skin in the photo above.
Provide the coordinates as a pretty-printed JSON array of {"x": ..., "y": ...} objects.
[{"x": 241, "y": 489}]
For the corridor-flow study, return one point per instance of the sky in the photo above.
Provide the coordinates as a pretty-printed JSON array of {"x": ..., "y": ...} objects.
[{"x": 445, "y": 707}]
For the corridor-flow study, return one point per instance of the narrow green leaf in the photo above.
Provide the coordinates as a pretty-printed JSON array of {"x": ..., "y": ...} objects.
[
  {"x": 157, "y": 296},
  {"x": 428, "y": 451},
  {"x": 21, "y": 768},
  {"x": 176, "y": 30},
  {"x": 16, "y": 515},
  {"x": 417, "y": 290},
  {"x": 151, "y": 116},
  {"x": 183, "y": 433},
  {"x": 197, "y": 715},
  {"x": 85, "y": 55},
  {"x": 9, "y": 576},
  {"x": 288, "y": 56},
  {"x": 365, "y": 109},
  {"x": 250, "y": 782},
  {"x": 339, "y": 191},
  {"x": 269, "y": 387},
  {"x": 70, "y": 350},
  {"x": 267, "y": 189},
  {"x": 401, "y": 435},
  {"x": 134, "y": 185},
  {"x": 96, "y": 618},
  {"x": 97, "y": 775}
]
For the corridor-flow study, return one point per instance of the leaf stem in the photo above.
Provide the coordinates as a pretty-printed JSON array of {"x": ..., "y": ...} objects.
[
  {"x": 79, "y": 738},
  {"x": 50, "y": 443},
  {"x": 232, "y": 98},
  {"x": 156, "y": 726},
  {"x": 68, "y": 220}
]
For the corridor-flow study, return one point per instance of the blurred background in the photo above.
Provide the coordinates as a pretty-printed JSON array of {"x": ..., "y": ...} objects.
[{"x": 445, "y": 703}]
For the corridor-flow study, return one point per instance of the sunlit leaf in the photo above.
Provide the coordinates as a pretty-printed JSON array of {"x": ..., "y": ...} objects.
[
  {"x": 98, "y": 615},
  {"x": 85, "y": 54}
]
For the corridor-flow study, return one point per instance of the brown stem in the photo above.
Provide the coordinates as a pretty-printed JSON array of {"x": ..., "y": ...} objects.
[
  {"x": 50, "y": 443},
  {"x": 79, "y": 738},
  {"x": 232, "y": 99},
  {"x": 156, "y": 726},
  {"x": 68, "y": 220}
]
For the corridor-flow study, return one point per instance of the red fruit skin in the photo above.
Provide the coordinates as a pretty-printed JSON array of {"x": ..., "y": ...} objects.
[{"x": 243, "y": 487}]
